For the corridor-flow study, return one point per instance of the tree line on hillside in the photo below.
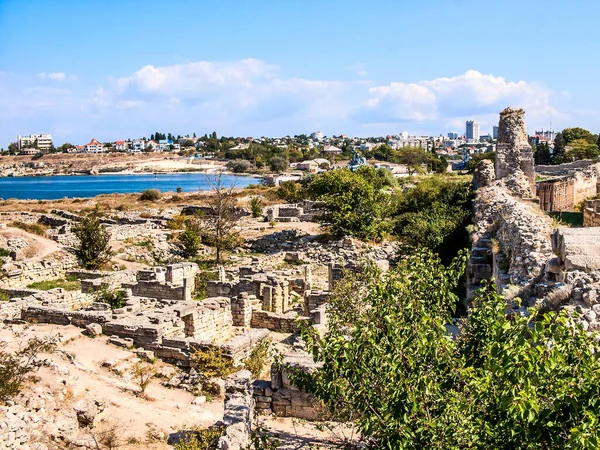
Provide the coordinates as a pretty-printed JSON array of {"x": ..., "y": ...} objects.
[{"x": 571, "y": 144}]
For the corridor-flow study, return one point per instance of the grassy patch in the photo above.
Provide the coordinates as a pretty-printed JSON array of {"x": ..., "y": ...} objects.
[
  {"x": 4, "y": 297},
  {"x": 4, "y": 252},
  {"x": 35, "y": 228},
  {"x": 69, "y": 284}
]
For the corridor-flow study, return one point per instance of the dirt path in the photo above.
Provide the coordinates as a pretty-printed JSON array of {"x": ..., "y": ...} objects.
[{"x": 39, "y": 247}]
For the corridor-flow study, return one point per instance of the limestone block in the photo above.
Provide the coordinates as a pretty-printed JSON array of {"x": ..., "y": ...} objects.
[{"x": 94, "y": 329}]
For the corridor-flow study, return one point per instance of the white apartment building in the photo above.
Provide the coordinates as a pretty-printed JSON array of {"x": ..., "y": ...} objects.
[
  {"x": 317, "y": 136},
  {"x": 43, "y": 142}
]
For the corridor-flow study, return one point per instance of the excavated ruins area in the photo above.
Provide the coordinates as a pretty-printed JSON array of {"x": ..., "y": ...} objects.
[{"x": 280, "y": 279}]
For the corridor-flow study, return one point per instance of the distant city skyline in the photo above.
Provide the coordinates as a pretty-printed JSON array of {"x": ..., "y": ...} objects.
[{"x": 185, "y": 67}]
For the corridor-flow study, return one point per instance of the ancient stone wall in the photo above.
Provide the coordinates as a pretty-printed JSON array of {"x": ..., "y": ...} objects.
[
  {"x": 282, "y": 323},
  {"x": 556, "y": 195},
  {"x": 572, "y": 184},
  {"x": 280, "y": 396},
  {"x": 314, "y": 299},
  {"x": 238, "y": 412},
  {"x": 514, "y": 155},
  {"x": 17, "y": 274},
  {"x": 591, "y": 213}
]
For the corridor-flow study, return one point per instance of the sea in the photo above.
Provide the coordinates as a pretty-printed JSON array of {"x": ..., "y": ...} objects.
[{"x": 82, "y": 186}]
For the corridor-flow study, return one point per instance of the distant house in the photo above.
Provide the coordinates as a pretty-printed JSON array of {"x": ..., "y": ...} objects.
[
  {"x": 331, "y": 150},
  {"x": 165, "y": 145},
  {"x": 311, "y": 166},
  {"x": 137, "y": 146},
  {"x": 93, "y": 147},
  {"x": 120, "y": 146},
  {"x": 152, "y": 146}
]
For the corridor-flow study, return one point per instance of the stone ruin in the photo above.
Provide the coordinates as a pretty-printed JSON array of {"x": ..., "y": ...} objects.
[
  {"x": 514, "y": 155},
  {"x": 307, "y": 211},
  {"x": 514, "y": 242}
]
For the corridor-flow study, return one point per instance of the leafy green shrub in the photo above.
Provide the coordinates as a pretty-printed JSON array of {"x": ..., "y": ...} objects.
[
  {"x": 239, "y": 166},
  {"x": 93, "y": 249},
  {"x": 190, "y": 241},
  {"x": 150, "y": 195},
  {"x": 143, "y": 372},
  {"x": 508, "y": 381},
  {"x": 201, "y": 280},
  {"x": 16, "y": 365},
  {"x": 258, "y": 358},
  {"x": 116, "y": 299},
  {"x": 290, "y": 191},
  {"x": 4, "y": 252},
  {"x": 256, "y": 205},
  {"x": 4, "y": 297},
  {"x": 211, "y": 362},
  {"x": 207, "y": 439}
]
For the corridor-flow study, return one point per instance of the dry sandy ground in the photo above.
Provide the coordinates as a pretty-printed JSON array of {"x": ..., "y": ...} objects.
[
  {"x": 39, "y": 247},
  {"x": 79, "y": 368}
]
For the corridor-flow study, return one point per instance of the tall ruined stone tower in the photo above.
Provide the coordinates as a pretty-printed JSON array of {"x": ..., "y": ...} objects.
[{"x": 514, "y": 155}]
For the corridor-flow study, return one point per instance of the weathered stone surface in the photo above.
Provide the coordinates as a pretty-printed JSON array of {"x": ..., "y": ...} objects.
[
  {"x": 94, "y": 329},
  {"x": 484, "y": 174},
  {"x": 577, "y": 248}
]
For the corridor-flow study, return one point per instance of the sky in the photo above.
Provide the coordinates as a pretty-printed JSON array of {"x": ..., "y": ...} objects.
[{"x": 119, "y": 69}]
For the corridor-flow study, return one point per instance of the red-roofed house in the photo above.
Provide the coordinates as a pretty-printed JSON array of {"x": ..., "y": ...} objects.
[
  {"x": 93, "y": 146},
  {"x": 120, "y": 146}
]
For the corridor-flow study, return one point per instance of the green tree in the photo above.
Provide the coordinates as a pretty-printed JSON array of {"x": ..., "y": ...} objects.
[
  {"x": 93, "y": 249},
  {"x": 278, "y": 164},
  {"x": 414, "y": 158},
  {"x": 352, "y": 205},
  {"x": 581, "y": 149},
  {"x": 190, "y": 239},
  {"x": 13, "y": 148},
  {"x": 558, "y": 153},
  {"x": 507, "y": 382},
  {"x": 542, "y": 154},
  {"x": 571, "y": 134},
  {"x": 383, "y": 152}
]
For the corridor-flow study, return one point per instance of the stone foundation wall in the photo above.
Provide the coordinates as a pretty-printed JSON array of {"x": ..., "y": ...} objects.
[
  {"x": 17, "y": 274},
  {"x": 238, "y": 411},
  {"x": 283, "y": 323},
  {"x": 158, "y": 290},
  {"x": 314, "y": 299},
  {"x": 281, "y": 397},
  {"x": 556, "y": 195},
  {"x": 212, "y": 320},
  {"x": 591, "y": 213}
]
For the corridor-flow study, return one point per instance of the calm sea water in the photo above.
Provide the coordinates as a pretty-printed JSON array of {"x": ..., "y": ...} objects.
[{"x": 56, "y": 187}]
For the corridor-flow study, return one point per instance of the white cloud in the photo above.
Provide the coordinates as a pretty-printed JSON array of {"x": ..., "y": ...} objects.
[
  {"x": 252, "y": 97},
  {"x": 444, "y": 101},
  {"x": 56, "y": 76}
]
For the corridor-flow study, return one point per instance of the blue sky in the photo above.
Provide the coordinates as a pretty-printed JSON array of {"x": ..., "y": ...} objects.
[{"x": 116, "y": 69}]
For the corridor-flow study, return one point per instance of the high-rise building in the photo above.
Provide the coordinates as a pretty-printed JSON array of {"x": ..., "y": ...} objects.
[
  {"x": 495, "y": 133},
  {"x": 452, "y": 135},
  {"x": 472, "y": 130}
]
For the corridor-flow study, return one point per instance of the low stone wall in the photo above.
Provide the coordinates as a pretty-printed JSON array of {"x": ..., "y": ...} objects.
[
  {"x": 43, "y": 314},
  {"x": 238, "y": 412},
  {"x": 282, "y": 323},
  {"x": 162, "y": 291},
  {"x": 281, "y": 397},
  {"x": 211, "y": 320},
  {"x": 314, "y": 299},
  {"x": 17, "y": 274},
  {"x": 591, "y": 213}
]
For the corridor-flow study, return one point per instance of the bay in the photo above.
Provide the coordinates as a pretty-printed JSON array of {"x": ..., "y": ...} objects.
[{"x": 60, "y": 186}]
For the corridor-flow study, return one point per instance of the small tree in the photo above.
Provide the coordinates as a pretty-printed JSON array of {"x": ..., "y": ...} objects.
[
  {"x": 256, "y": 205},
  {"x": 115, "y": 298},
  {"x": 190, "y": 239},
  {"x": 278, "y": 164},
  {"x": 143, "y": 372},
  {"x": 220, "y": 222},
  {"x": 93, "y": 249},
  {"x": 16, "y": 365}
]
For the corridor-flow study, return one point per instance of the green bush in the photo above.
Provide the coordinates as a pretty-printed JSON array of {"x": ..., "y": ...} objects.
[
  {"x": 150, "y": 195},
  {"x": 190, "y": 241},
  {"x": 290, "y": 191},
  {"x": 211, "y": 362},
  {"x": 508, "y": 381},
  {"x": 4, "y": 252},
  {"x": 256, "y": 205},
  {"x": 115, "y": 298},
  {"x": 202, "y": 440},
  {"x": 93, "y": 249},
  {"x": 16, "y": 365},
  {"x": 258, "y": 358}
]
